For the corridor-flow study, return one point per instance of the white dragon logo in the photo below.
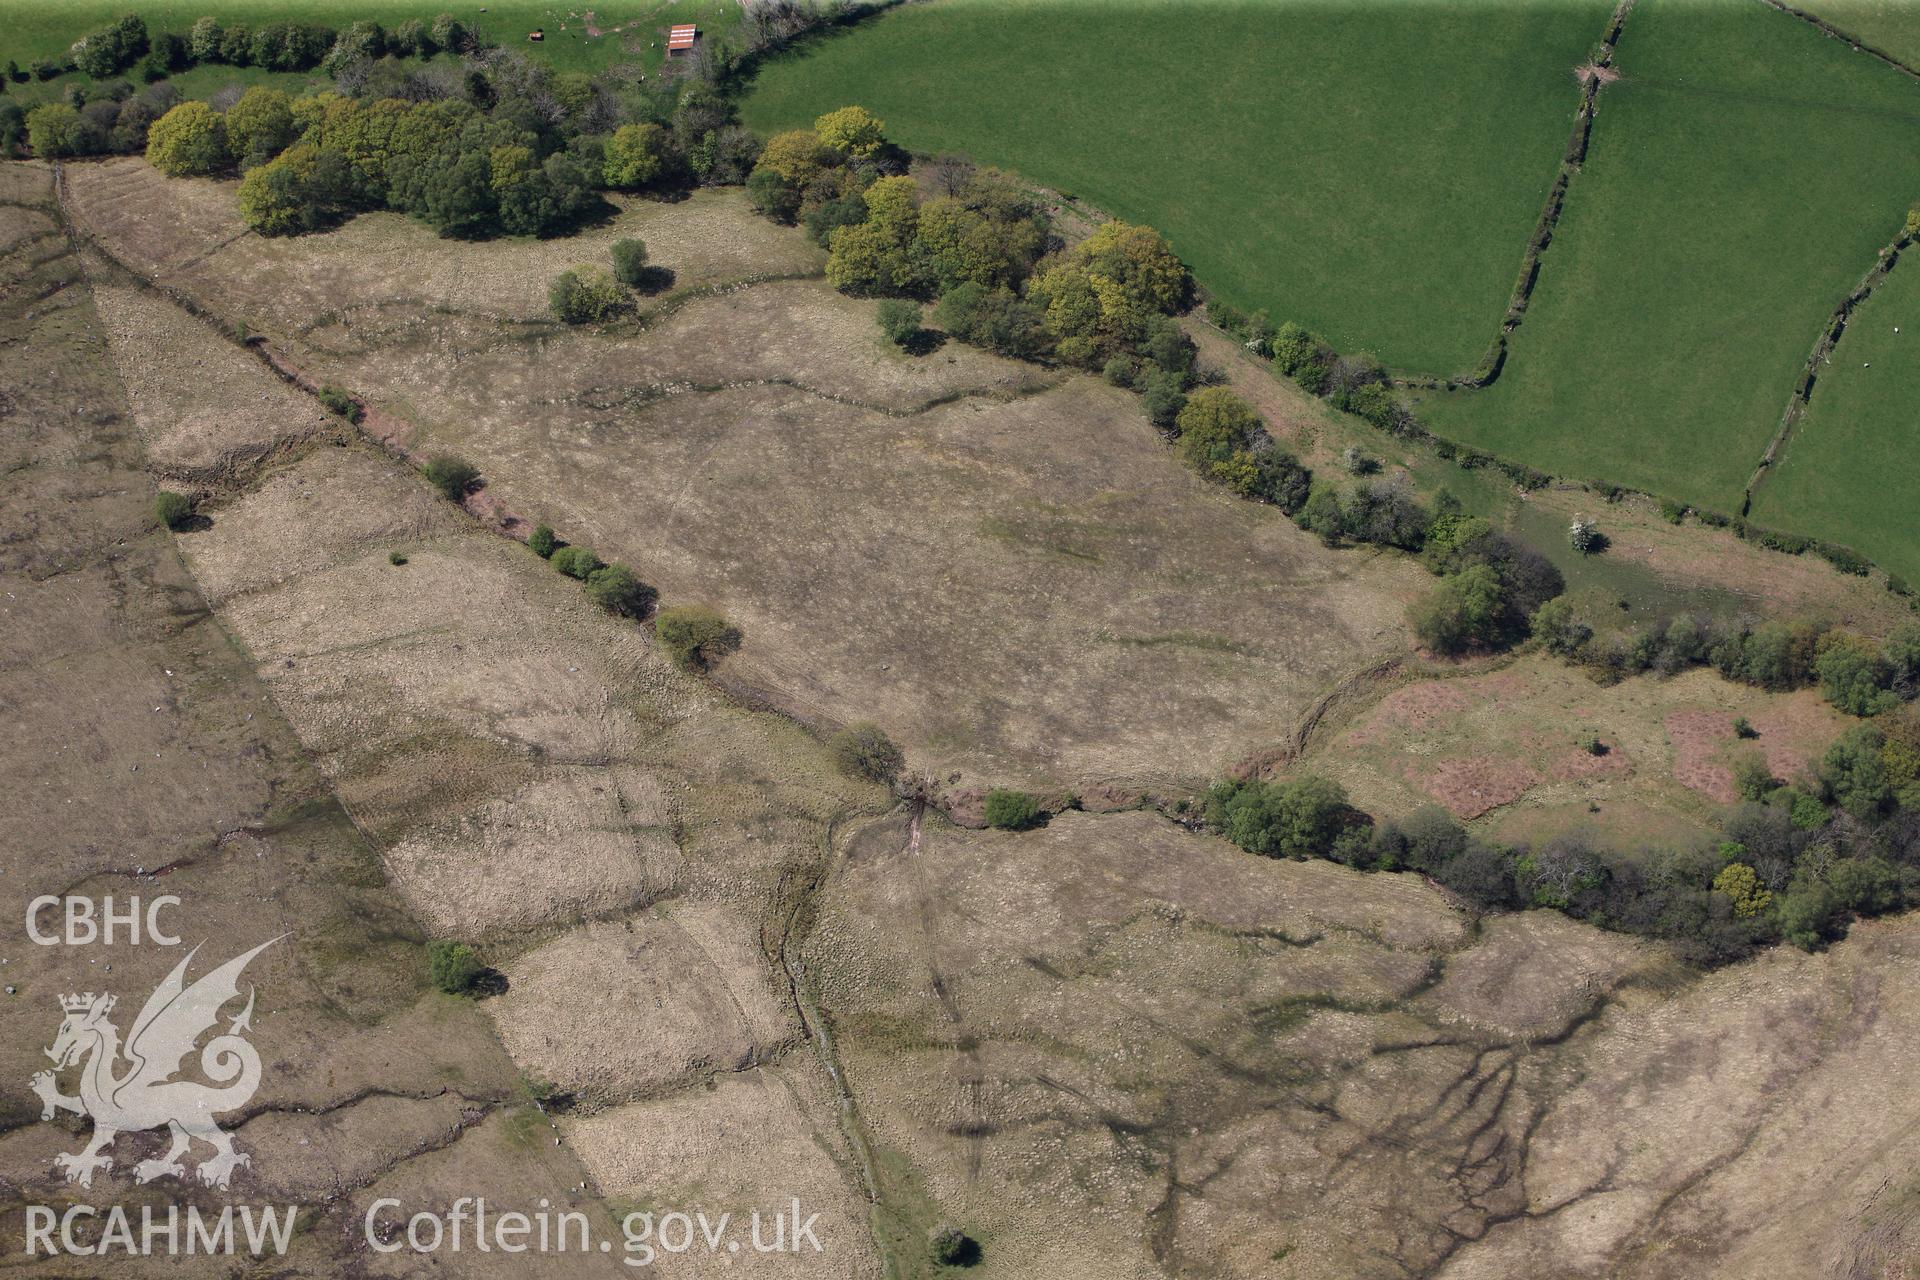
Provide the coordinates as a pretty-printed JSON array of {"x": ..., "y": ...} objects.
[{"x": 145, "y": 1096}]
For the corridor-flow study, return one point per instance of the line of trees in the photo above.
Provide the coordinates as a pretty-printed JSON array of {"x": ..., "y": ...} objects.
[
  {"x": 1794, "y": 864},
  {"x": 491, "y": 143},
  {"x": 1357, "y": 384}
]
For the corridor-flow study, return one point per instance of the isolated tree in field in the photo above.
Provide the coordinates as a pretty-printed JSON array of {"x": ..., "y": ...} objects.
[
  {"x": 899, "y": 320},
  {"x": 630, "y": 261},
  {"x": 865, "y": 751},
  {"x": 636, "y": 155},
  {"x": 1011, "y": 810},
  {"x": 172, "y": 509},
  {"x": 585, "y": 295},
  {"x": 853, "y": 130},
  {"x": 696, "y": 635},
  {"x": 453, "y": 967},
  {"x": 1583, "y": 536},
  {"x": 617, "y": 589},
  {"x": 451, "y": 475},
  {"x": 949, "y": 1246},
  {"x": 260, "y": 126}
]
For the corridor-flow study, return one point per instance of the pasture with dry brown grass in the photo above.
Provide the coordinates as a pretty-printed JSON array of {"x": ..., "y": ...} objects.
[{"x": 1109, "y": 1047}]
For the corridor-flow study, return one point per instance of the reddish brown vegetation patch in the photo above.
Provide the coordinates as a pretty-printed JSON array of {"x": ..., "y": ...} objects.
[
  {"x": 1577, "y": 764},
  {"x": 1697, "y": 737},
  {"x": 1470, "y": 787},
  {"x": 1412, "y": 709},
  {"x": 1792, "y": 732}
]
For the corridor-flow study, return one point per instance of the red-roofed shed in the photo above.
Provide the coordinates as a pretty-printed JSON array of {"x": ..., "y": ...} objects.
[{"x": 680, "y": 38}]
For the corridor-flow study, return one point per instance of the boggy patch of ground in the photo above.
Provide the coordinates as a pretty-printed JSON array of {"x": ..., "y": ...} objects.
[
  {"x": 1509, "y": 747},
  {"x": 1122, "y": 1050},
  {"x": 1016, "y": 579},
  {"x": 143, "y": 758}
]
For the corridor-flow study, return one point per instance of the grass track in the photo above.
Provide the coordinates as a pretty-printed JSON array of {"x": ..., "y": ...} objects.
[
  {"x": 1851, "y": 470},
  {"x": 1372, "y": 171},
  {"x": 1742, "y": 178}
]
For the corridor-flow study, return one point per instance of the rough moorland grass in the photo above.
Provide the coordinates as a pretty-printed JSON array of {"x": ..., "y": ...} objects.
[
  {"x": 34, "y": 29},
  {"x": 1742, "y": 178},
  {"x": 1850, "y": 471},
  {"x": 1891, "y": 26},
  {"x": 1371, "y": 171}
]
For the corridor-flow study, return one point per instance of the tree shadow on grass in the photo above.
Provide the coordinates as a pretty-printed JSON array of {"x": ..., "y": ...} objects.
[{"x": 924, "y": 342}]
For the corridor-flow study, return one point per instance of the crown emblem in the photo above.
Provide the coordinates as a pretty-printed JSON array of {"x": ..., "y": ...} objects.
[{"x": 82, "y": 1002}]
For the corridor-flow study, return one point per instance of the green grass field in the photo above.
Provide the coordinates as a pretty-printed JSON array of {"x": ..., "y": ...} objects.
[
  {"x": 1850, "y": 470},
  {"x": 1891, "y": 26},
  {"x": 38, "y": 30},
  {"x": 1370, "y": 171},
  {"x": 1742, "y": 178}
]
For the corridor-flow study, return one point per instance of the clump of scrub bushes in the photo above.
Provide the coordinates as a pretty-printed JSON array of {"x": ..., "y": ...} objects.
[
  {"x": 1009, "y": 810},
  {"x": 174, "y": 510},
  {"x": 452, "y": 476},
  {"x": 697, "y": 636},
  {"x": 587, "y": 295},
  {"x": 865, "y": 751},
  {"x": 455, "y": 968}
]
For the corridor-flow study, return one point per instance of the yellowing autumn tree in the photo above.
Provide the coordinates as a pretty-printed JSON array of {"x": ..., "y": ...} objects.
[
  {"x": 853, "y": 130},
  {"x": 191, "y": 139},
  {"x": 1101, "y": 295}
]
